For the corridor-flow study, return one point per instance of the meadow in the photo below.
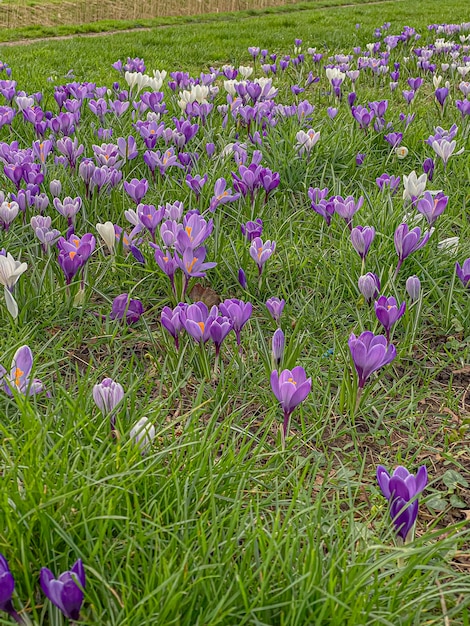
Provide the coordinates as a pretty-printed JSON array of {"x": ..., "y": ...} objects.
[{"x": 235, "y": 269}]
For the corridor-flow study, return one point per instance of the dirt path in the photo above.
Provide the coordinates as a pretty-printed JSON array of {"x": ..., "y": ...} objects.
[{"x": 25, "y": 42}]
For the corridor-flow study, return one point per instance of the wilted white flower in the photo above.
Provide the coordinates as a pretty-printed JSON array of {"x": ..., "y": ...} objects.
[
  {"x": 401, "y": 152},
  {"x": 449, "y": 245}
]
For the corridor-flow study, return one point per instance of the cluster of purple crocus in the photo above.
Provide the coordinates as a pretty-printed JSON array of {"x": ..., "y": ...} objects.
[{"x": 65, "y": 592}]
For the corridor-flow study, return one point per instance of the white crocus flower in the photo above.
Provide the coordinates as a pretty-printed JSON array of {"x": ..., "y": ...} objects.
[
  {"x": 334, "y": 72},
  {"x": 142, "y": 434},
  {"x": 414, "y": 187},
  {"x": 229, "y": 86},
  {"x": 10, "y": 271},
  {"x": 307, "y": 140},
  {"x": 24, "y": 102},
  {"x": 108, "y": 235},
  {"x": 436, "y": 80},
  {"x": 157, "y": 81},
  {"x": 445, "y": 149},
  {"x": 245, "y": 71},
  {"x": 401, "y": 152}
]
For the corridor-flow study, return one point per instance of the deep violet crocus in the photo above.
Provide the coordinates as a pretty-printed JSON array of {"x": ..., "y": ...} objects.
[
  {"x": 67, "y": 591},
  {"x": 126, "y": 308},
  {"x": 401, "y": 490},
  {"x": 290, "y": 387},
  {"x": 171, "y": 320},
  {"x": 408, "y": 241},
  {"x": 219, "y": 329},
  {"x": 463, "y": 272},
  {"x": 369, "y": 353},
  {"x": 252, "y": 229},
  {"x": 7, "y": 585},
  {"x": 388, "y": 313},
  {"x": 197, "y": 320}
]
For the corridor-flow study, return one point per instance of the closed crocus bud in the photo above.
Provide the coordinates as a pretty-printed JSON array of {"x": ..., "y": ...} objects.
[
  {"x": 65, "y": 592},
  {"x": 142, "y": 434},
  {"x": 413, "y": 288},
  {"x": 369, "y": 286},
  {"x": 275, "y": 307},
  {"x": 107, "y": 233},
  {"x": 107, "y": 395},
  {"x": 242, "y": 278},
  {"x": 278, "y": 344},
  {"x": 55, "y": 187}
]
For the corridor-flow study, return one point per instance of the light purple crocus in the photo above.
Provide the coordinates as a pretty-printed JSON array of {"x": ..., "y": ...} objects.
[
  {"x": 347, "y": 207},
  {"x": 7, "y": 586},
  {"x": 261, "y": 251},
  {"x": 251, "y": 229},
  {"x": 275, "y": 307},
  {"x": 150, "y": 217},
  {"x": 388, "y": 313},
  {"x": 432, "y": 206},
  {"x": 18, "y": 379},
  {"x": 369, "y": 353},
  {"x": 362, "y": 238},
  {"x": 408, "y": 241},
  {"x": 136, "y": 189},
  {"x": 67, "y": 591},
  {"x": 238, "y": 312},
  {"x": 369, "y": 286},
  {"x": 463, "y": 272},
  {"x": 290, "y": 387},
  {"x": 277, "y": 346},
  {"x": 401, "y": 490},
  {"x": 222, "y": 194},
  {"x": 197, "y": 320}
]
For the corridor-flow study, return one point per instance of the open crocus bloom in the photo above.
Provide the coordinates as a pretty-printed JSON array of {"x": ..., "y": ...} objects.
[{"x": 18, "y": 379}]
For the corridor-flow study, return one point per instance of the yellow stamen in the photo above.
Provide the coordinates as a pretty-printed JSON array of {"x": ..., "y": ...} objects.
[
  {"x": 18, "y": 374},
  {"x": 201, "y": 326}
]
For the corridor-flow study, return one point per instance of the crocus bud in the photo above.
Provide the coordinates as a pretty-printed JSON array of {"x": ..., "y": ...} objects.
[
  {"x": 278, "y": 344},
  {"x": 369, "y": 286},
  {"x": 275, "y": 307},
  {"x": 107, "y": 395},
  {"x": 242, "y": 278},
  {"x": 142, "y": 434},
  {"x": 55, "y": 187},
  {"x": 413, "y": 288}
]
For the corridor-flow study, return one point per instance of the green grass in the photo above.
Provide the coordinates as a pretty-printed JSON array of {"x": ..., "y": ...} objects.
[{"x": 218, "y": 524}]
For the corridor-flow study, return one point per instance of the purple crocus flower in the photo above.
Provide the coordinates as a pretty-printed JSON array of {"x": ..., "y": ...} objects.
[
  {"x": 18, "y": 379},
  {"x": 197, "y": 320},
  {"x": 401, "y": 490},
  {"x": 172, "y": 321},
  {"x": 463, "y": 273},
  {"x": 369, "y": 353},
  {"x": 7, "y": 585},
  {"x": 126, "y": 308},
  {"x": 432, "y": 206},
  {"x": 290, "y": 387},
  {"x": 408, "y": 241},
  {"x": 238, "y": 312},
  {"x": 441, "y": 95},
  {"x": 194, "y": 232},
  {"x": 107, "y": 395},
  {"x": 362, "y": 238},
  {"x": 150, "y": 217},
  {"x": 74, "y": 252},
  {"x": 385, "y": 180},
  {"x": 275, "y": 307},
  {"x": 242, "y": 278},
  {"x": 347, "y": 207},
  {"x": 69, "y": 207},
  {"x": 196, "y": 183},
  {"x": 66, "y": 592},
  {"x": 260, "y": 252},
  {"x": 136, "y": 189},
  {"x": 222, "y": 195},
  {"x": 388, "y": 313},
  {"x": 251, "y": 230},
  {"x": 428, "y": 168},
  {"x": 369, "y": 286}
]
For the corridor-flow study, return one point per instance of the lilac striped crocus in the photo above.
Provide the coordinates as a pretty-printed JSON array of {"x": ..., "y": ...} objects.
[
  {"x": 275, "y": 307},
  {"x": 347, "y": 207},
  {"x": 172, "y": 321},
  {"x": 136, "y": 189},
  {"x": 432, "y": 206},
  {"x": 261, "y": 251},
  {"x": 369, "y": 286}
]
